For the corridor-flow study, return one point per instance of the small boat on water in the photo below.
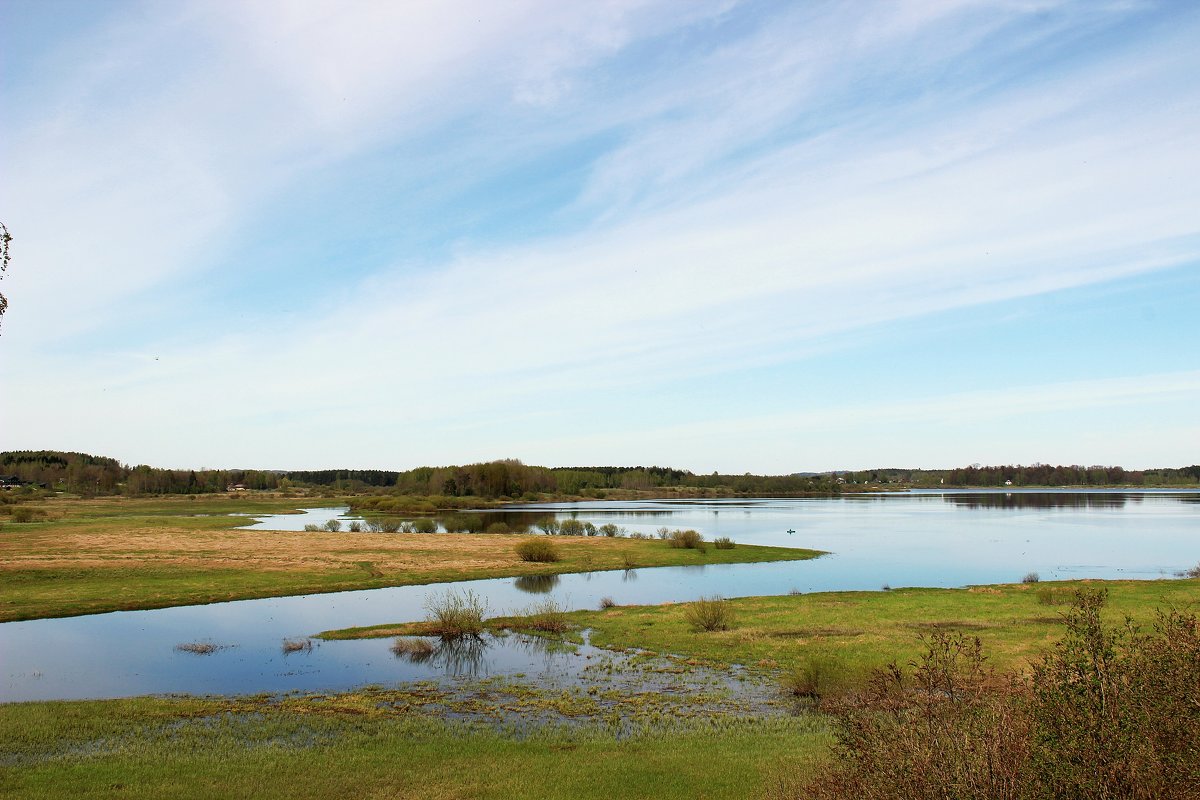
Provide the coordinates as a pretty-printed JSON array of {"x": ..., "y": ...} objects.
[{"x": 791, "y": 530}]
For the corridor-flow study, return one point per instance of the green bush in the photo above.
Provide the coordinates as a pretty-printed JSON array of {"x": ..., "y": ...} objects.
[
  {"x": 709, "y": 614},
  {"x": 724, "y": 543},
  {"x": 571, "y": 527},
  {"x": 498, "y": 527},
  {"x": 425, "y": 525},
  {"x": 538, "y": 549}
]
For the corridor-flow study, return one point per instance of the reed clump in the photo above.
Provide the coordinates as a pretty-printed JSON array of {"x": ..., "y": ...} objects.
[
  {"x": 709, "y": 614},
  {"x": 548, "y": 616},
  {"x": 451, "y": 615}
]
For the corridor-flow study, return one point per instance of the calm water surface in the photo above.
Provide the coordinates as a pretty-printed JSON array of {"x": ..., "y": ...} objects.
[{"x": 916, "y": 539}]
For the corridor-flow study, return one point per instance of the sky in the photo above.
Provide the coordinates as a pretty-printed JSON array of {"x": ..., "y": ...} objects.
[{"x": 763, "y": 237}]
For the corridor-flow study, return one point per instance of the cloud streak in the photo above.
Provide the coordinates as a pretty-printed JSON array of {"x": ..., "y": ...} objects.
[{"x": 748, "y": 187}]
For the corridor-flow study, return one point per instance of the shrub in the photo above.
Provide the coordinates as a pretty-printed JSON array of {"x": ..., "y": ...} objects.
[
  {"x": 356, "y": 527},
  {"x": 547, "y": 615},
  {"x": 571, "y": 527},
  {"x": 424, "y": 525},
  {"x": 640, "y": 535},
  {"x": 451, "y": 614},
  {"x": 610, "y": 530},
  {"x": 589, "y": 529},
  {"x": 498, "y": 527},
  {"x": 724, "y": 543},
  {"x": 1109, "y": 712},
  {"x": 817, "y": 677},
  {"x": 663, "y": 533},
  {"x": 1031, "y": 577},
  {"x": 538, "y": 549},
  {"x": 685, "y": 539},
  {"x": 607, "y": 603},
  {"x": 389, "y": 526},
  {"x": 312, "y": 527},
  {"x": 548, "y": 526},
  {"x": 1114, "y": 710},
  {"x": 1194, "y": 572},
  {"x": 463, "y": 523},
  {"x": 333, "y": 526},
  {"x": 628, "y": 561},
  {"x": 709, "y": 614},
  {"x": 29, "y": 514},
  {"x": 297, "y": 645}
]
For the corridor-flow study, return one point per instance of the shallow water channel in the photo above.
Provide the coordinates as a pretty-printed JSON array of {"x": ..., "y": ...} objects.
[{"x": 916, "y": 539}]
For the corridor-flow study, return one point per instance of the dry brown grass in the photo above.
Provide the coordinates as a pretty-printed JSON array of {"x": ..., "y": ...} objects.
[{"x": 123, "y": 553}]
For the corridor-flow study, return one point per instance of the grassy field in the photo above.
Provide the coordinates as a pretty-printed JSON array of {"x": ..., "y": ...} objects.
[
  {"x": 205, "y": 748},
  {"x": 857, "y": 631},
  {"x": 127, "y": 553}
]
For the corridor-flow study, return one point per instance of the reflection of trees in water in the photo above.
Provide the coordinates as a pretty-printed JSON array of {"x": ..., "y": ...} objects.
[
  {"x": 463, "y": 656},
  {"x": 629, "y": 575},
  {"x": 468, "y": 656},
  {"x": 536, "y": 584},
  {"x": 1043, "y": 500}
]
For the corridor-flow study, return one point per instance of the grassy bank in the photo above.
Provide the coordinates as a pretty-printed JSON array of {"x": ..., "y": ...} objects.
[
  {"x": 855, "y": 631},
  {"x": 204, "y": 748},
  {"x": 390, "y": 742},
  {"x": 116, "y": 554}
]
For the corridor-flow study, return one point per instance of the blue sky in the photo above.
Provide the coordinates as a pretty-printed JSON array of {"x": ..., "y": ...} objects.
[{"x": 736, "y": 236}]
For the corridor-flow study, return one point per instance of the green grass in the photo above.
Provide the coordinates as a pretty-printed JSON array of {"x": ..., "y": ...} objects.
[
  {"x": 200, "y": 748},
  {"x": 868, "y": 629}
]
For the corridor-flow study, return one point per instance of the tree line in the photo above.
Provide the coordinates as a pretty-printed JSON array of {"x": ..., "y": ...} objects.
[{"x": 86, "y": 474}]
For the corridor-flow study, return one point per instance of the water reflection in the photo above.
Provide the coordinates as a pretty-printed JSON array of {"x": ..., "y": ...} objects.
[
  {"x": 479, "y": 656},
  {"x": 1074, "y": 500},
  {"x": 536, "y": 584}
]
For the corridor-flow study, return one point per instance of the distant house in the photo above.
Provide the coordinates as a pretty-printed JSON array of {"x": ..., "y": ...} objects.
[
  {"x": 10, "y": 482},
  {"x": 236, "y": 487}
]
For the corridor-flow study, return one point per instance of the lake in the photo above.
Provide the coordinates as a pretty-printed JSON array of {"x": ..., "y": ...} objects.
[{"x": 910, "y": 539}]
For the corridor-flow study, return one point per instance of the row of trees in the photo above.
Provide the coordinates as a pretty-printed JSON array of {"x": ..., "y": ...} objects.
[{"x": 82, "y": 473}]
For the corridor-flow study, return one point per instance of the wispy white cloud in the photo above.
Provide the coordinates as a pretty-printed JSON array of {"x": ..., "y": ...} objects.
[{"x": 754, "y": 195}]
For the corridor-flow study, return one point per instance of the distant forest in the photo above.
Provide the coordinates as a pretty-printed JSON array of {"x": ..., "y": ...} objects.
[{"x": 81, "y": 473}]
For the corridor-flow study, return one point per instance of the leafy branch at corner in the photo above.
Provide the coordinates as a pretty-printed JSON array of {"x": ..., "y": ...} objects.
[{"x": 5, "y": 238}]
